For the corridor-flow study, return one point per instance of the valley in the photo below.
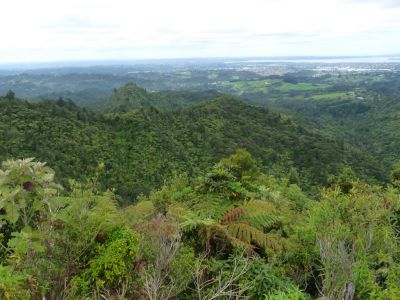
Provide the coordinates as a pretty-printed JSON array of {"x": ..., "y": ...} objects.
[{"x": 234, "y": 182}]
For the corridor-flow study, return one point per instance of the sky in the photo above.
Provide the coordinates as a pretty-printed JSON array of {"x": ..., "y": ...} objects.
[{"x": 70, "y": 30}]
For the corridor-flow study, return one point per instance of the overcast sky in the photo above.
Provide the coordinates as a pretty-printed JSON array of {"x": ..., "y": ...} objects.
[{"x": 62, "y": 30}]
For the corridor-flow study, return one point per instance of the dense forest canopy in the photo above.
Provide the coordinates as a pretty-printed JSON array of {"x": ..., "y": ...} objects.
[
  {"x": 232, "y": 232},
  {"x": 141, "y": 148},
  {"x": 200, "y": 184},
  {"x": 358, "y": 107}
]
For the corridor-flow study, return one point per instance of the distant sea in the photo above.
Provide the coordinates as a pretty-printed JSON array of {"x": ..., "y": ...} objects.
[
  {"x": 182, "y": 63},
  {"x": 325, "y": 59}
]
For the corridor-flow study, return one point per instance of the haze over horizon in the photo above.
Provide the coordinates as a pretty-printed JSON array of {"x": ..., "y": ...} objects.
[{"x": 45, "y": 31}]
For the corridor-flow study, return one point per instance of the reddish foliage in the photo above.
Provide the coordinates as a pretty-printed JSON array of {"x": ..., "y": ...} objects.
[{"x": 232, "y": 215}]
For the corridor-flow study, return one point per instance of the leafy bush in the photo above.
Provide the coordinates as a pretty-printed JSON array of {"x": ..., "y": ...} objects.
[
  {"x": 13, "y": 285},
  {"x": 112, "y": 265}
]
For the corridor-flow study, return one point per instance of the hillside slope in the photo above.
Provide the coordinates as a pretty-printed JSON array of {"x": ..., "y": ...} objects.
[
  {"x": 131, "y": 97},
  {"x": 141, "y": 148}
]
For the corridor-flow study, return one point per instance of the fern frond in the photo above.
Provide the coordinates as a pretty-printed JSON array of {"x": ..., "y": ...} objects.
[
  {"x": 193, "y": 221},
  {"x": 251, "y": 235},
  {"x": 213, "y": 207},
  {"x": 233, "y": 215},
  {"x": 187, "y": 218},
  {"x": 243, "y": 226},
  {"x": 260, "y": 214}
]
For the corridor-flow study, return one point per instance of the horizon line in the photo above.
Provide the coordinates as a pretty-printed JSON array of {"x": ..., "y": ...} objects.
[{"x": 116, "y": 61}]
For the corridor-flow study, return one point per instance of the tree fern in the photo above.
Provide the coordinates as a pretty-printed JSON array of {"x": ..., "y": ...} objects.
[
  {"x": 258, "y": 213},
  {"x": 138, "y": 213},
  {"x": 250, "y": 235},
  {"x": 248, "y": 223},
  {"x": 232, "y": 215},
  {"x": 187, "y": 218},
  {"x": 242, "y": 226}
]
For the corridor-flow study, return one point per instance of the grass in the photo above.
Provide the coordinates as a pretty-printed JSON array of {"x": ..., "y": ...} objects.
[
  {"x": 302, "y": 87},
  {"x": 254, "y": 86},
  {"x": 353, "y": 79},
  {"x": 329, "y": 96},
  {"x": 276, "y": 87},
  {"x": 265, "y": 85}
]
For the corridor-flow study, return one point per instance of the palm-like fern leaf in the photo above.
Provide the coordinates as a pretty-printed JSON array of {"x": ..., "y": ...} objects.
[
  {"x": 250, "y": 235},
  {"x": 245, "y": 225}
]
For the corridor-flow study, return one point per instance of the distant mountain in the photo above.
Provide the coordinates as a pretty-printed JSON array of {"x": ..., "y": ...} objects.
[{"x": 131, "y": 97}]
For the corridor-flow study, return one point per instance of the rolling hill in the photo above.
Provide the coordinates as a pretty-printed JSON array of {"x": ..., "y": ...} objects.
[{"x": 141, "y": 148}]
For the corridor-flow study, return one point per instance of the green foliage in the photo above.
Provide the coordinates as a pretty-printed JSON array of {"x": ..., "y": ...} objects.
[
  {"x": 12, "y": 285},
  {"x": 395, "y": 175},
  {"x": 359, "y": 108},
  {"x": 224, "y": 212},
  {"x": 345, "y": 181},
  {"x": 293, "y": 294},
  {"x": 242, "y": 165},
  {"x": 131, "y": 97},
  {"x": 27, "y": 190},
  {"x": 357, "y": 241},
  {"x": 137, "y": 214},
  {"x": 245, "y": 225},
  {"x": 174, "y": 189},
  {"x": 25, "y": 241},
  {"x": 62, "y": 240},
  {"x": 257, "y": 280},
  {"x": 111, "y": 264},
  {"x": 265, "y": 280},
  {"x": 169, "y": 263},
  {"x": 127, "y": 98},
  {"x": 28, "y": 201},
  {"x": 10, "y": 95},
  {"x": 141, "y": 149},
  {"x": 180, "y": 240},
  {"x": 294, "y": 177},
  {"x": 220, "y": 180}
]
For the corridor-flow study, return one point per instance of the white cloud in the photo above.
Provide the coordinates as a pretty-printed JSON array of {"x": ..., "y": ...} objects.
[{"x": 45, "y": 30}]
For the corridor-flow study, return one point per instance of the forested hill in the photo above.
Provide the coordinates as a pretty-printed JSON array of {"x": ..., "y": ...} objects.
[
  {"x": 129, "y": 97},
  {"x": 140, "y": 149},
  {"x": 132, "y": 97}
]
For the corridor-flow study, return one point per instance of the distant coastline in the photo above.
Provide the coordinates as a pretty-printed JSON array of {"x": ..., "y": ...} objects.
[{"x": 200, "y": 60}]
